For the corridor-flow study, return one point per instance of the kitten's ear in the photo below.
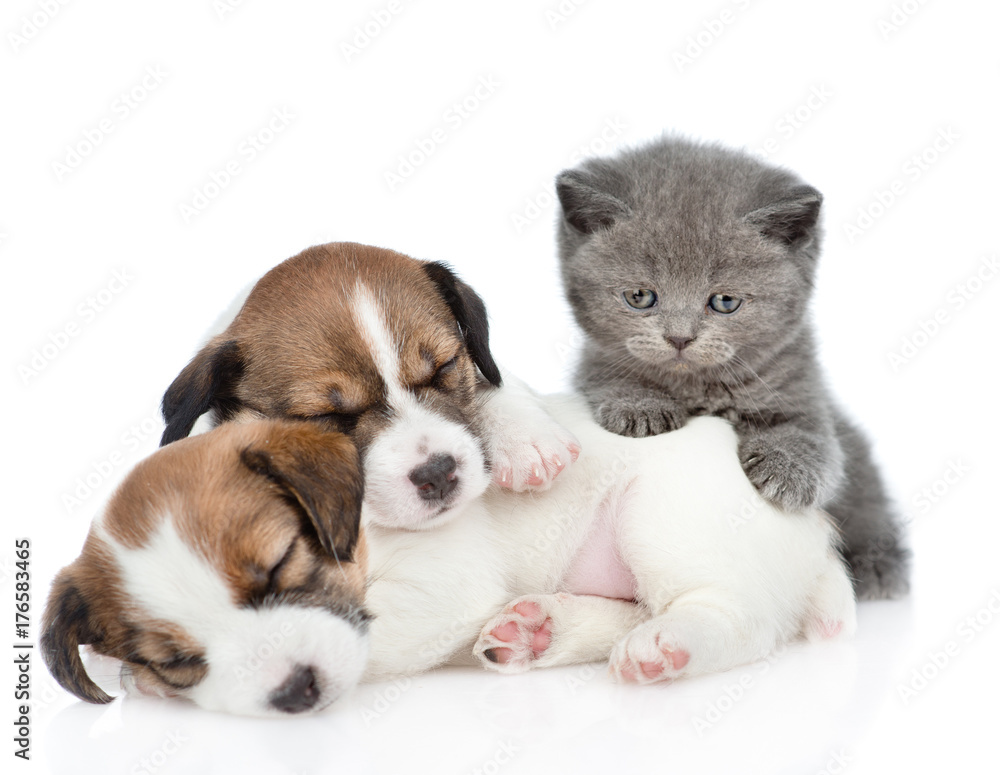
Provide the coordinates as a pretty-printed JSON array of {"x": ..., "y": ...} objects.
[
  {"x": 585, "y": 206},
  {"x": 792, "y": 219}
]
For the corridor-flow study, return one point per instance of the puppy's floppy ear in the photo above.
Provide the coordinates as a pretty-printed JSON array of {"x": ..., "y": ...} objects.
[
  {"x": 66, "y": 625},
  {"x": 205, "y": 383},
  {"x": 321, "y": 472},
  {"x": 587, "y": 205},
  {"x": 792, "y": 218},
  {"x": 470, "y": 312}
]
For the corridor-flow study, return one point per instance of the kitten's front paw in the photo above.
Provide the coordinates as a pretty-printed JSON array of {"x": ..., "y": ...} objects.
[
  {"x": 779, "y": 476},
  {"x": 529, "y": 455},
  {"x": 640, "y": 417}
]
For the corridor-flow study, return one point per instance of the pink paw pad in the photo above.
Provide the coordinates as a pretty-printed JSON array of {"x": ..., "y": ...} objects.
[
  {"x": 506, "y": 632},
  {"x": 529, "y": 635},
  {"x": 672, "y": 662},
  {"x": 830, "y": 628},
  {"x": 665, "y": 667},
  {"x": 527, "y": 609},
  {"x": 678, "y": 659},
  {"x": 651, "y": 669}
]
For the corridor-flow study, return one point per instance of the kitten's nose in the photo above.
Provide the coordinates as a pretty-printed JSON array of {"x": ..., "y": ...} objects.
[{"x": 680, "y": 342}]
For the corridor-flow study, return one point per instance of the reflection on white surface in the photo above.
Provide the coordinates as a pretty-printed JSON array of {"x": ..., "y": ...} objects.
[{"x": 782, "y": 714}]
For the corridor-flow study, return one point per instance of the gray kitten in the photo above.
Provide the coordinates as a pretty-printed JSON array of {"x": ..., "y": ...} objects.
[{"x": 690, "y": 268}]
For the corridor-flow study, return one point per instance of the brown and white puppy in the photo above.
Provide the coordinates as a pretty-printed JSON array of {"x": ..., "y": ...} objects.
[
  {"x": 388, "y": 350},
  {"x": 227, "y": 568}
]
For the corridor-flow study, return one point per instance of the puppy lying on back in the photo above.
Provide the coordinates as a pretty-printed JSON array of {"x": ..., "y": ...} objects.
[
  {"x": 391, "y": 351},
  {"x": 630, "y": 554},
  {"x": 227, "y": 568}
]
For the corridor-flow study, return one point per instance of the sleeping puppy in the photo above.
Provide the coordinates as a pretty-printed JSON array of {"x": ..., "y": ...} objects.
[
  {"x": 228, "y": 569},
  {"x": 391, "y": 351},
  {"x": 631, "y": 553}
]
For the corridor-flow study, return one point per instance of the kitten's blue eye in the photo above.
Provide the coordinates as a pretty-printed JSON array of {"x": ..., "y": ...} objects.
[
  {"x": 724, "y": 304},
  {"x": 643, "y": 298}
]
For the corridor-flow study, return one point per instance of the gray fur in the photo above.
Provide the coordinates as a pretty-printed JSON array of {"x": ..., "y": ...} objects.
[{"x": 689, "y": 220}]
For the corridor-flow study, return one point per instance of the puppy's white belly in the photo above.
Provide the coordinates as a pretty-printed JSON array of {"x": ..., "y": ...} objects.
[
  {"x": 431, "y": 591},
  {"x": 598, "y": 567}
]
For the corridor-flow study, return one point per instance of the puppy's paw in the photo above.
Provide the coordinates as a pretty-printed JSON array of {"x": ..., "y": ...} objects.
[
  {"x": 530, "y": 455},
  {"x": 514, "y": 639},
  {"x": 832, "y": 612},
  {"x": 780, "y": 476},
  {"x": 648, "y": 654},
  {"x": 823, "y": 628},
  {"x": 649, "y": 415}
]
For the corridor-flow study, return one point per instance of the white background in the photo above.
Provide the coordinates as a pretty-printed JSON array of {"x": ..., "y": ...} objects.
[{"x": 566, "y": 82}]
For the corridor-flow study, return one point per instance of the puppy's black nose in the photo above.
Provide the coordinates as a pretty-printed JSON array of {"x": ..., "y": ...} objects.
[
  {"x": 436, "y": 478},
  {"x": 298, "y": 693}
]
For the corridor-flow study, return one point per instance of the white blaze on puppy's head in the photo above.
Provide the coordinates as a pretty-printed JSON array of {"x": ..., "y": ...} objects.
[
  {"x": 423, "y": 465},
  {"x": 227, "y": 569}
]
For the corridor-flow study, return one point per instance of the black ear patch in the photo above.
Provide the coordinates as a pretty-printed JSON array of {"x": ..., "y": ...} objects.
[
  {"x": 470, "y": 312},
  {"x": 205, "y": 383},
  {"x": 585, "y": 205},
  {"x": 67, "y": 625},
  {"x": 321, "y": 472},
  {"x": 792, "y": 219}
]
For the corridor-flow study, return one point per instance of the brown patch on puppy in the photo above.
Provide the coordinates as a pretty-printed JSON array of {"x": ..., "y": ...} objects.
[
  {"x": 296, "y": 350},
  {"x": 274, "y": 507}
]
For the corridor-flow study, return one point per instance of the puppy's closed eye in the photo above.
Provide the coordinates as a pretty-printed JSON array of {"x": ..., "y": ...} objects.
[
  {"x": 175, "y": 664},
  {"x": 439, "y": 377},
  {"x": 342, "y": 415},
  {"x": 345, "y": 422},
  {"x": 267, "y": 580},
  {"x": 181, "y": 671}
]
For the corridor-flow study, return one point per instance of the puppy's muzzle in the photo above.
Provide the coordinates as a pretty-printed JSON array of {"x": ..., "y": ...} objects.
[{"x": 436, "y": 479}]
